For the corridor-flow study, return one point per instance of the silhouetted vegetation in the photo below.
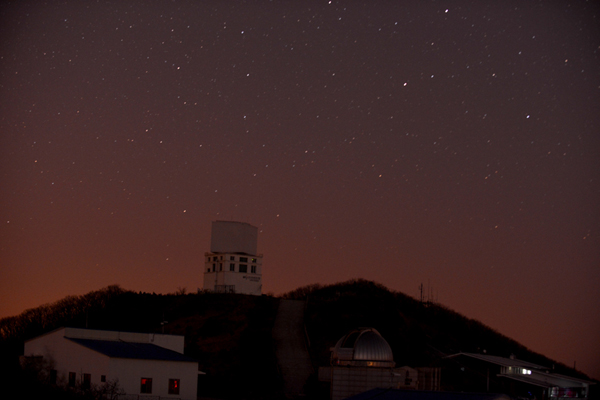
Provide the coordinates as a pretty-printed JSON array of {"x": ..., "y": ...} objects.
[
  {"x": 419, "y": 333},
  {"x": 230, "y": 334}
]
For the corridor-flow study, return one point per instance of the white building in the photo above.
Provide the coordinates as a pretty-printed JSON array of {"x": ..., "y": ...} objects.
[
  {"x": 233, "y": 264},
  {"x": 145, "y": 364}
]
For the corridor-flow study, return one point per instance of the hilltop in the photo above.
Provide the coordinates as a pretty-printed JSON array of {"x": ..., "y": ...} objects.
[{"x": 230, "y": 334}]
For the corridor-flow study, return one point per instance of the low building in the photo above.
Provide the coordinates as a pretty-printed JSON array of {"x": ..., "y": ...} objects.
[
  {"x": 233, "y": 264},
  {"x": 517, "y": 378},
  {"x": 144, "y": 364}
]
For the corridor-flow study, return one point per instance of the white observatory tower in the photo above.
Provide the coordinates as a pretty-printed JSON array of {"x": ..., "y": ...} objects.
[{"x": 233, "y": 266}]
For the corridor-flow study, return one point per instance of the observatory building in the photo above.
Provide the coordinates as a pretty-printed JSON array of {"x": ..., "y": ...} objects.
[
  {"x": 363, "y": 360},
  {"x": 233, "y": 265}
]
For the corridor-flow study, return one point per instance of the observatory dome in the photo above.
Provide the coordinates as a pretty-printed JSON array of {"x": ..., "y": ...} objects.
[{"x": 363, "y": 347}]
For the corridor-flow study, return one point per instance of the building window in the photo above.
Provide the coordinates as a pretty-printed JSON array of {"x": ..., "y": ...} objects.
[
  {"x": 146, "y": 386},
  {"x": 87, "y": 381},
  {"x": 232, "y": 258},
  {"x": 220, "y": 266},
  {"x": 173, "y": 386},
  {"x": 243, "y": 259},
  {"x": 254, "y": 260},
  {"x": 72, "y": 379},
  {"x": 253, "y": 269},
  {"x": 102, "y": 378},
  {"x": 214, "y": 267},
  {"x": 221, "y": 258},
  {"x": 243, "y": 268},
  {"x": 215, "y": 258},
  {"x": 232, "y": 267}
]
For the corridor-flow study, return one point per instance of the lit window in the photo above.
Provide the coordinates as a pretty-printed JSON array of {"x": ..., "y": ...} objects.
[
  {"x": 526, "y": 371},
  {"x": 146, "y": 386},
  {"x": 243, "y": 268},
  {"x": 173, "y": 386},
  {"x": 232, "y": 267}
]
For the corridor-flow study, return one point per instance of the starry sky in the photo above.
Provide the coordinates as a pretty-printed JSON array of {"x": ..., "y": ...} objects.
[{"x": 453, "y": 144}]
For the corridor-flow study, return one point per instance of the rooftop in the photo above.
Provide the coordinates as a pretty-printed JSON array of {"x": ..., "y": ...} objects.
[{"x": 142, "y": 351}]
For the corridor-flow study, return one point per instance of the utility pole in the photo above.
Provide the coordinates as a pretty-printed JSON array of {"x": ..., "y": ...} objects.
[{"x": 163, "y": 323}]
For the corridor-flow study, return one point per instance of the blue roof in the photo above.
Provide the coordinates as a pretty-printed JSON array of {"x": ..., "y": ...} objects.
[
  {"x": 141, "y": 351},
  {"x": 399, "y": 394}
]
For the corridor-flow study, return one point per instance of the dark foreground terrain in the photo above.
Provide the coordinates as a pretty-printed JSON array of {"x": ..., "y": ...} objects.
[{"x": 230, "y": 334}]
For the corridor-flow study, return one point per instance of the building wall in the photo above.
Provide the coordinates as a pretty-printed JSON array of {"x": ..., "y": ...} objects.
[
  {"x": 234, "y": 282},
  {"x": 233, "y": 237},
  {"x": 68, "y": 356},
  {"x": 406, "y": 378},
  {"x": 131, "y": 372},
  {"x": 429, "y": 378},
  {"x": 219, "y": 277},
  {"x": 349, "y": 381}
]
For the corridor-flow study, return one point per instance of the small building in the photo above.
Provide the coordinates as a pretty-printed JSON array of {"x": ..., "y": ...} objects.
[
  {"x": 144, "y": 364},
  {"x": 362, "y": 360},
  {"x": 517, "y": 378},
  {"x": 233, "y": 264}
]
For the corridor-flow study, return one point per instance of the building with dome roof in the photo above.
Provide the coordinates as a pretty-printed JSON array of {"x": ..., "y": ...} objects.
[
  {"x": 363, "y": 347},
  {"x": 363, "y": 360}
]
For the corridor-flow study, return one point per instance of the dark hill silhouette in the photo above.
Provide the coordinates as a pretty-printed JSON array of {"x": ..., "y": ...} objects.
[
  {"x": 230, "y": 334},
  {"x": 419, "y": 333}
]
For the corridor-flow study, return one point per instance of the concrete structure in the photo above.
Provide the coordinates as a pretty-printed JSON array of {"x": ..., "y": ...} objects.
[
  {"x": 145, "y": 364},
  {"x": 520, "y": 378},
  {"x": 291, "y": 349},
  {"x": 363, "y": 360},
  {"x": 233, "y": 265}
]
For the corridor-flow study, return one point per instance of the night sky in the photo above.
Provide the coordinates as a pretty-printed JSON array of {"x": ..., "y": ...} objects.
[{"x": 450, "y": 143}]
